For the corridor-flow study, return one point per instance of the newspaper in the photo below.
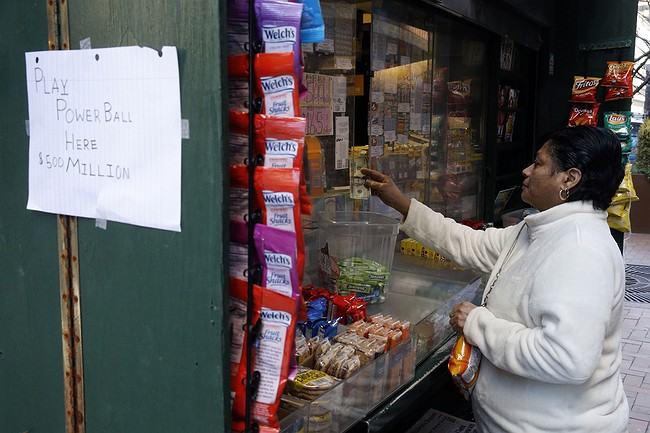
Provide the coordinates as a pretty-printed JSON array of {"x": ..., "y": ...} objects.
[{"x": 439, "y": 422}]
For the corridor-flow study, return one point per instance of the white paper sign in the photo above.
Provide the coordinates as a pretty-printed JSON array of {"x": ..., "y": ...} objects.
[
  {"x": 342, "y": 141},
  {"x": 105, "y": 134}
]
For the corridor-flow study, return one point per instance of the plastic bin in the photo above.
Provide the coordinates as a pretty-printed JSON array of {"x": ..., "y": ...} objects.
[{"x": 356, "y": 252}]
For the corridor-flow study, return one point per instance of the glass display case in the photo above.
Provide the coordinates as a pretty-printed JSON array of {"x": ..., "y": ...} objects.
[
  {"x": 422, "y": 292},
  {"x": 400, "y": 90},
  {"x": 410, "y": 98}
]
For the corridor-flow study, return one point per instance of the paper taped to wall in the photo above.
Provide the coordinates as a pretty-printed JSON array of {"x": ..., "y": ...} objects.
[{"x": 105, "y": 134}]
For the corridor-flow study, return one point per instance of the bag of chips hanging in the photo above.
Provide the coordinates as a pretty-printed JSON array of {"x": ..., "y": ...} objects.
[
  {"x": 586, "y": 114},
  {"x": 239, "y": 334},
  {"x": 620, "y": 123},
  {"x": 238, "y": 193},
  {"x": 619, "y": 74},
  {"x": 584, "y": 89},
  {"x": 614, "y": 93}
]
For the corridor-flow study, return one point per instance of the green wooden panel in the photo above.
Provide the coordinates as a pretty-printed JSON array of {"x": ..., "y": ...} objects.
[
  {"x": 31, "y": 367},
  {"x": 575, "y": 25},
  {"x": 153, "y": 302}
]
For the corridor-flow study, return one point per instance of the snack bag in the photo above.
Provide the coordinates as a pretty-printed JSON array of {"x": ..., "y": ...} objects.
[
  {"x": 281, "y": 141},
  {"x": 272, "y": 358},
  {"x": 239, "y": 336},
  {"x": 463, "y": 365},
  {"x": 584, "y": 89},
  {"x": 238, "y": 138},
  {"x": 276, "y": 194},
  {"x": 312, "y": 26},
  {"x": 238, "y": 90},
  {"x": 584, "y": 114},
  {"x": 614, "y": 93},
  {"x": 278, "y": 29},
  {"x": 619, "y": 122},
  {"x": 618, "y": 213},
  {"x": 237, "y": 27},
  {"x": 619, "y": 74},
  {"x": 459, "y": 92},
  {"x": 276, "y": 83},
  {"x": 275, "y": 250},
  {"x": 238, "y": 253},
  {"x": 238, "y": 193},
  {"x": 618, "y": 80}
]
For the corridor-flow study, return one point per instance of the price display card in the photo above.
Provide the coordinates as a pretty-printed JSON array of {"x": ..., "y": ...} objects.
[{"x": 105, "y": 134}]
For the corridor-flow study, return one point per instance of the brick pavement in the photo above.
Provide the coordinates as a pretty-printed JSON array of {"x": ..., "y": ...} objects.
[{"x": 636, "y": 342}]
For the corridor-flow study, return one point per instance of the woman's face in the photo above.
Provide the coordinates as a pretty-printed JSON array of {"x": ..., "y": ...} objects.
[{"x": 541, "y": 186}]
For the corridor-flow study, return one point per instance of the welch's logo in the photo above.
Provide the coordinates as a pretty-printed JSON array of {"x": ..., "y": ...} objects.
[
  {"x": 272, "y": 33},
  {"x": 281, "y": 83},
  {"x": 275, "y": 316},
  {"x": 281, "y": 147},
  {"x": 277, "y": 259},
  {"x": 278, "y": 199}
]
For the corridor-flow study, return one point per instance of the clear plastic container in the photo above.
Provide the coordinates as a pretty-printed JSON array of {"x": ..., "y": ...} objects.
[{"x": 356, "y": 252}]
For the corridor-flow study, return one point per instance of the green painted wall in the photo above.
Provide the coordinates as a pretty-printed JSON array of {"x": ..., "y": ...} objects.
[
  {"x": 154, "y": 324},
  {"x": 31, "y": 363},
  {"x": 153, "y": 302}
]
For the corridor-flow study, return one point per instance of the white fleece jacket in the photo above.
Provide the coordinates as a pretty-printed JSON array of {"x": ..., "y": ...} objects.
[{"x": 551, "y": 331}]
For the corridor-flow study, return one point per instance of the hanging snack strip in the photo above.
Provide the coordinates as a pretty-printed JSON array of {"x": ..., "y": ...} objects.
[
  {"x": 618, "y": 80},
  {"x": 584, "y": 108},
  {"x": 272, "y": 358},
  {"x": 280, "y": 141},
  {"x": 264, "y": 35},
  {"x": 584, "y": 104}
]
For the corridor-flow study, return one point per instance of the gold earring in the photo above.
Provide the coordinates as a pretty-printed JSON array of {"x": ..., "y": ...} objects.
[{"x": 566, "y": 194}]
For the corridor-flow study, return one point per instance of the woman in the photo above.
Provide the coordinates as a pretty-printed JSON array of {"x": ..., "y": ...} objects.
[{"x": 550, "y": 327}]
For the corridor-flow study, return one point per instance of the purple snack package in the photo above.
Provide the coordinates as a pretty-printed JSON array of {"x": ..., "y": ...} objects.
[
  {"x": 278, "y": 29},
  {"x": 276, "y": 252},
  {"x": 312, "y": 27}
]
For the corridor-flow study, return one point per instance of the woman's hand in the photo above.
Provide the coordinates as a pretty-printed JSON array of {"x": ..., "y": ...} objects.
[
  {"x": 384, "y": 188},
  {"x": 459, "y": 314}
]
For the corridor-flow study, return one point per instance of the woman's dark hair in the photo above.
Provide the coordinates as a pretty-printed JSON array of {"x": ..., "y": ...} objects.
[{"x": 596, "y": 152}]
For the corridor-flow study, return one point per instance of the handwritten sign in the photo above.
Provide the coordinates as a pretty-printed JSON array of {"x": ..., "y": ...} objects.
[
  {"x": 105, "y": 134},
  {"x": 317, "y": 105}
]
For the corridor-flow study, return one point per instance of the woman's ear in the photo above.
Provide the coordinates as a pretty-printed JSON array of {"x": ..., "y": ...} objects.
[{"x": 573, "y": 176}]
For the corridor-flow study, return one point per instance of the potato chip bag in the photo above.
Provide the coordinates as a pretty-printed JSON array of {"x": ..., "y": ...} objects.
[
  {"x": 584, "y": 89},
  {"x": 619, "y": 74},
  {"x": 463, "y": 365},
  {"x": 586, "y": 114}
]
